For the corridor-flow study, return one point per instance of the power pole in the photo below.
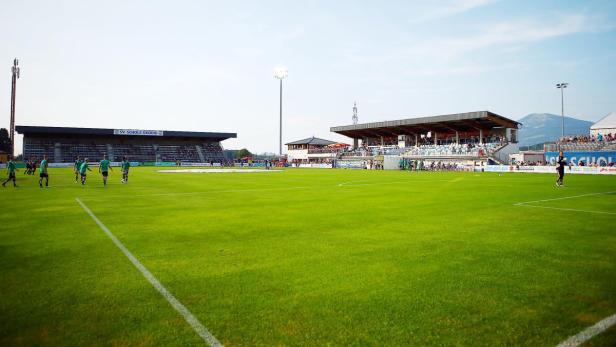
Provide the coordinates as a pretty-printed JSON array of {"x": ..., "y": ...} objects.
[{"x": 15, "y": 71}]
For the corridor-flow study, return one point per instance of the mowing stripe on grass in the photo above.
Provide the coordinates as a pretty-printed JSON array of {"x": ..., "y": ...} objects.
[
  {"x": 589, "y": 333},
  {"x": 177, "y": 305},
  {"x": 360, "y": 184}
]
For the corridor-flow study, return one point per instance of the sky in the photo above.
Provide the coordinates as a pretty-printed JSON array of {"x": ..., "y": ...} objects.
[{"x": 209, "y": 65}]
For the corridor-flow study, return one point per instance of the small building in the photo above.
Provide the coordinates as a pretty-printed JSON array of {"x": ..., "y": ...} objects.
[{"x": 312, "y": 150}]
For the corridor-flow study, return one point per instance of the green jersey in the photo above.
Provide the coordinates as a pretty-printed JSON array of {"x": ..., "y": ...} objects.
[
  {"x": 104, "y": 165},
  {"x": 43, "y": 168},
  {"x": 125, "y": 165},
  {"x": 77, "y": 164},
  {"x": 11, "y": 166},
  {"x": 83, "y": 168}
]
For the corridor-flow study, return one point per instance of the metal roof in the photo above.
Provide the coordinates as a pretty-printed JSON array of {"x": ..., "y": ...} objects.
[
  {"x": 463, "y": 122},
  {"x": 312, "y": 141},
  {"x": 45, "y": 130}
]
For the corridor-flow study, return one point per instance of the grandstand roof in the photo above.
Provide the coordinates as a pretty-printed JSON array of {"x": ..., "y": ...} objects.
[
  {"x": 462, "y": 122},
  {"x": 312, "y": 141},
  {"x": 43, "y": 130}
]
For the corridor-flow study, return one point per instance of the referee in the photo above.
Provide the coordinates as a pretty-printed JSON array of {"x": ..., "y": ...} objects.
[{"x": 560, "y": 168}]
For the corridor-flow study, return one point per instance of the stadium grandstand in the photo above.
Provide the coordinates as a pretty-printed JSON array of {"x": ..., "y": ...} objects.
[
  {"x": 473, "y": 136},
  {"x": 62, "y": 145}
]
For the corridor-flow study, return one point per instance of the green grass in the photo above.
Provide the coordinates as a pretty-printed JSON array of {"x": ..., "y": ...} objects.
[{"x": 296, "y": 258}]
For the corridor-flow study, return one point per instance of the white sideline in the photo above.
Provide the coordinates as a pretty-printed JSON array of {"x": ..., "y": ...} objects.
[
  {"x": 589, "y": 333},
  {"x": 199, "y": 328}
]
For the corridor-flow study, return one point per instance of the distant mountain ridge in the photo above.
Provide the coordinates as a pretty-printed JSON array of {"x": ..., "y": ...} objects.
[{"x": 545, "y": 127}]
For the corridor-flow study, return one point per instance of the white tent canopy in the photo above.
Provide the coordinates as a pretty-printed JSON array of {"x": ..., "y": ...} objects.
[{"x": 605, "y": 125}]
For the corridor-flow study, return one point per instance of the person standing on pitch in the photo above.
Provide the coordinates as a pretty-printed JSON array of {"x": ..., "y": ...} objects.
[
  {"x": 560, "y": 168},
  {"x": 125, "y": 167},
  {"x": 10, "y": 168},
  {"x": 103, "y": 168},
  {"x": 43, "y": 173},
  {"x": 83, "y": 170},
  {"x": 77, "y": 166}
]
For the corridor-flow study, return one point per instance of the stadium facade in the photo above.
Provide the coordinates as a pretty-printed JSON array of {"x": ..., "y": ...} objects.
[{"x": 62, "y": 144}]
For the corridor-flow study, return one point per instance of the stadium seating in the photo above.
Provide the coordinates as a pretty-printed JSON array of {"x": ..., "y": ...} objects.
[{"x": 67, "y": 151}]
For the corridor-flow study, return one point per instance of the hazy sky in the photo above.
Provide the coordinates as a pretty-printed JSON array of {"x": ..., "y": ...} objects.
[{"x": 208, "y": 65}]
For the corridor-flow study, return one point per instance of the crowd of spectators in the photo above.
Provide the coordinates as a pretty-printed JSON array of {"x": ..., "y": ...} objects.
[
  {"x": 421, "y": 165},
  {"x": 467, "y": 149},
  {"x": 611, "y": 137}
]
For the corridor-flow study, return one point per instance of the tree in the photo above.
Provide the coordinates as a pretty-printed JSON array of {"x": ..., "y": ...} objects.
[
  {"x": 5, "y": 142},
  {"x": 243, "y": 153}
]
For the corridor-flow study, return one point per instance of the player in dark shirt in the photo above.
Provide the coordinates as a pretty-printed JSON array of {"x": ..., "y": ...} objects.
[{"x": 560, "y": 168}]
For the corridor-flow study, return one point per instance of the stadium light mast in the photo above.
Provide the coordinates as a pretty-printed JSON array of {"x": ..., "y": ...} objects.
[
  {"x": 280, "y": 73},
  {"x": 562, "y": 87},
  {"x": 15, "y": 71}
]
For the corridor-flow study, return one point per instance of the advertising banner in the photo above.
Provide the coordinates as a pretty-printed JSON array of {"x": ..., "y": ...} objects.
[
  {"x": 599, "y": 157},
  {"x": 552, "y": 169},
  {"x": 137, "y": 132}
]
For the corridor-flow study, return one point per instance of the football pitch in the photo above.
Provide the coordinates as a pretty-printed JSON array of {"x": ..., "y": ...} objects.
[{"x": 307, "y": 257}]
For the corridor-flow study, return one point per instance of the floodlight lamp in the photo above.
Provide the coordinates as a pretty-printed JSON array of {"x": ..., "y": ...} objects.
[{"x": 280, "y": 73}]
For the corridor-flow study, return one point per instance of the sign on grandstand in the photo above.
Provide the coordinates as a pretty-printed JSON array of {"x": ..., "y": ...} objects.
[{"x": 137, "y": 132}]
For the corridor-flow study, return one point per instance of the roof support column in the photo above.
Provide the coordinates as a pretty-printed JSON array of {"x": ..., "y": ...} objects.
[
  {"x": 355, "y": 143},
  {"x": 435, "y": 138},
  {"x": 382, "y": 142},
  {"x": 457, "y": 138},
  {"x": 480, "y": 136},
  {"x": 416, "y": 140}
]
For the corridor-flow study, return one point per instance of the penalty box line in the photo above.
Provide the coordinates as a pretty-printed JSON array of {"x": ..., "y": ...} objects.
[
  {"x": 199, "y": 328},
  {"x": 534, "y": 203}
]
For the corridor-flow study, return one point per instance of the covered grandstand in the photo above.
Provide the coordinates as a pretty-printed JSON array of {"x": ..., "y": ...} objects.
[
  {"x": 62, "y": 144},
  {"x": 481, "y": 135}
]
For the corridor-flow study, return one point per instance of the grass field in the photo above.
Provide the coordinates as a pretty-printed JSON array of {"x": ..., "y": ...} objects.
[{"x": 309, "y": 257}]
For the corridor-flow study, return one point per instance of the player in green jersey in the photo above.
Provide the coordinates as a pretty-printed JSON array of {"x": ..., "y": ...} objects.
[
  {"x": 11, "y": 168},
  {"x": 43, "y": 172},
  {"x": 103, "y": 168},
  {"x": 76, "y": 167},
  {"x": 125, "y": 167},
  {"x": 83, "y": 169}
]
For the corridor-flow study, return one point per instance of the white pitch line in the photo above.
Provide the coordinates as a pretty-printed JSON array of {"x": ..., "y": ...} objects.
[
  {"x": 565, "y": 209},
  {"x": 589, "y": 333},
  {"x": 199, "y": 328},
  {"x": 564, "y": 198}
]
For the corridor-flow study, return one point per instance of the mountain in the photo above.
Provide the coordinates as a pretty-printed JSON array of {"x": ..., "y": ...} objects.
[{"x": 545, "y": 127}]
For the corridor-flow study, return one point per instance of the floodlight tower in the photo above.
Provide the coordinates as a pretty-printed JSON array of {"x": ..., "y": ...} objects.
[
  {"x": 562, "y": 87},
  {"x": 15, "y": 71},
  {"x": 355, "y": 119},
  {"x": 280, "y": 73}
]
